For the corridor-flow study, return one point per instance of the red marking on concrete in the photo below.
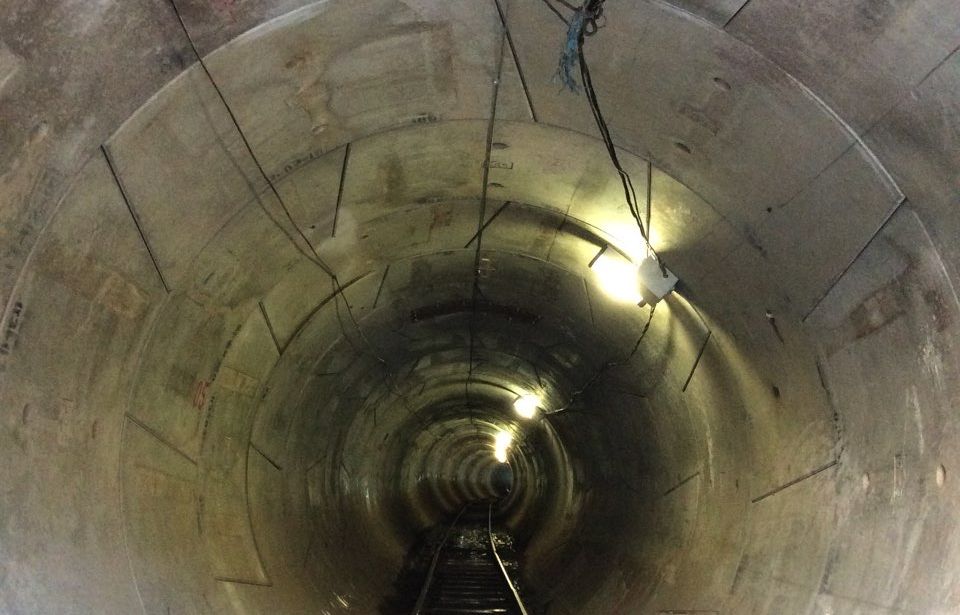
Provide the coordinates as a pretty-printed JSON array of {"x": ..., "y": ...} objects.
[
  {"x": 227, "y": 8},
  {"x": 200, "y": 394}
]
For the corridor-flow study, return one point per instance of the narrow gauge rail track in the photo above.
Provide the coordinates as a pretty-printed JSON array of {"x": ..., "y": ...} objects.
[{"x": 466, "y": 574}]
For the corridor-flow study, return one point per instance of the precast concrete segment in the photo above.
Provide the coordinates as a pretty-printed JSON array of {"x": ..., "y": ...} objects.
[{"x": 199, "y": 418}]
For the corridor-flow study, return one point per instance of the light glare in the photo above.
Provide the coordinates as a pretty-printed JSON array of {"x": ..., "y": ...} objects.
[
  {"x": 502, "y": 442},
  {"x": 527, "y": 405},
  {"x": 617, "y": 278}
]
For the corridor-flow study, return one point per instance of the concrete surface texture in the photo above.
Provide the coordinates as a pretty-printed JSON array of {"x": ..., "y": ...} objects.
[{"x": 274, "y": 271}]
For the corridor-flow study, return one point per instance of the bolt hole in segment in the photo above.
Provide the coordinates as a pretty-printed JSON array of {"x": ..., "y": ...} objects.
[{"x": 721, "y": 83}]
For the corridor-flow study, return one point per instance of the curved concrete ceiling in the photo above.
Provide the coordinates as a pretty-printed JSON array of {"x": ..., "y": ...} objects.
[{"x": 266, "y": 312}]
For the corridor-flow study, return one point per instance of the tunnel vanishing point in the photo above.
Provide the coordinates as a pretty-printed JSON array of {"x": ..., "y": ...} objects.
[{"x": 275, "y": 272}]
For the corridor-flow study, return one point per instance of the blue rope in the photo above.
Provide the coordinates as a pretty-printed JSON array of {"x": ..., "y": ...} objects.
[{"x": 571, "y": 53}]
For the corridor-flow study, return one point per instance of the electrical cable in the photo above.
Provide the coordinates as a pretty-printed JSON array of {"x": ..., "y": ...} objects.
[
  {"x": 556, "y": 12},
  {"x": 608, "y": 365},
  {"x": 312, "y": 255},
  {"x": 482, "y": 213},
  {"x": 587, "y": 23},
  {"x": 592, "y": 10}
]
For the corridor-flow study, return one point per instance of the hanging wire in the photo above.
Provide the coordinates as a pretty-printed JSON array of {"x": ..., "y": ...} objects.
[
  {"x": 587, "y": 20},
  {"x": 477, "y": 293},
  {"x": 609, "y": 365},
  {"x": 570, "y": 54},
  {"x": 304, "y": 246},
  {"x": 557, "y": 12}
]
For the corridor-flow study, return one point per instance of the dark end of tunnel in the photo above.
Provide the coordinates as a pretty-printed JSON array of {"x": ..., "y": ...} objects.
[{"x": 502, "y": 480}]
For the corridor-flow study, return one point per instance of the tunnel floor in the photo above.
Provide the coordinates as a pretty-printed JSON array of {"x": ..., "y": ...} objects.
[{"x": 453, "y": 569}]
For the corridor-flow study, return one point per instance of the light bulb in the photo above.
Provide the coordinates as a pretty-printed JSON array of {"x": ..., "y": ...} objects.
[
  {"x": 617, "y": 277},
  {"x": 527, "y": 405},
  {"x": 501, "y": 443}
]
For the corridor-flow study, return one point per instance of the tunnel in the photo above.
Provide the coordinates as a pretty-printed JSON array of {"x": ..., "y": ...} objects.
[{"x": 277, "y": 276}]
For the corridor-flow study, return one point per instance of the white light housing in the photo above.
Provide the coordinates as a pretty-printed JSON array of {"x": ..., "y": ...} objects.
[
  {"x": 527, "y": 405},
  {"x": 654, "y": 282},
  {"x": 624, "y": 281}
]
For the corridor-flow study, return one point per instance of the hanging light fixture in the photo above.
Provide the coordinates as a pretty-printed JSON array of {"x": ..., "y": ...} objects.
[
  {"x": 527, "y": 405},
  {"x": 654, "y": 280},
  {"x": 501, "y": 444},
  {"x": 626, "y": 282}
]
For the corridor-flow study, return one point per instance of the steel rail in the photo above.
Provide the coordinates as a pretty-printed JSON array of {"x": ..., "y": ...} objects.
[
  {"x": 496, "y": 556},
  {"x": 418, "y": 608}
]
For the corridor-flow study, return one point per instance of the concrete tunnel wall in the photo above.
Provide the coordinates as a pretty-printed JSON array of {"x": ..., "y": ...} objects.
[{"x": 199, "y": 417}]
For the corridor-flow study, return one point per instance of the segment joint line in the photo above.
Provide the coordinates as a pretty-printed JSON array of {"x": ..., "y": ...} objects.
[
  {"x": 133, "y": 214},
  {"x": 311, "y": 254},
  {"x": 482, "y": 214}
]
